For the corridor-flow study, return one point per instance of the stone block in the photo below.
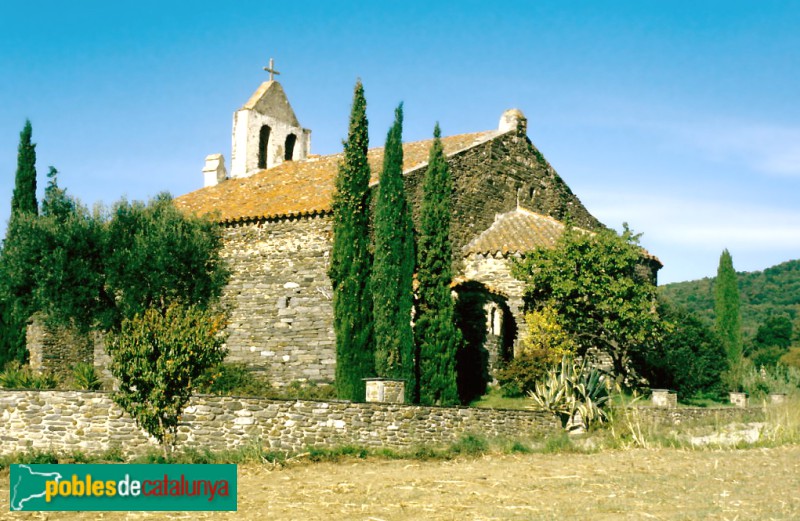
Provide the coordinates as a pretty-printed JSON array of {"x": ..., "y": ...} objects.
[{"x": 664, "y": 398}]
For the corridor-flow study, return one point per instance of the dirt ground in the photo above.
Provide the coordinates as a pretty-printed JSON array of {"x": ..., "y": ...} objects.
[{"x": 659, "y": 484}]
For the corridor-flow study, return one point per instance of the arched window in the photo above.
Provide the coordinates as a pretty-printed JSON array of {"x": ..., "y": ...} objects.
[
  {"x": 291, "y": 139},
  {"x": 263, "y": 146}
]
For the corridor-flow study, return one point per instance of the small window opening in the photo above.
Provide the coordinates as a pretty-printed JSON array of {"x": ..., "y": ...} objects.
[
  {"x": 263, "y": 146},
  {"x": 291, "y": 139}
]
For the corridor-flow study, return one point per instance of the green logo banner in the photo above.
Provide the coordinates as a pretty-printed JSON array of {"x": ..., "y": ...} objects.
[{"x": 122, "y": 487}]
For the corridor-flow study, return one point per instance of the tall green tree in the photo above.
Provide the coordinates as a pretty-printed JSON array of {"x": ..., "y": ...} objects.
[
  {"x": 15, "y": 293},
  {"x": 728, "y": 316},
  {"x": 351, "y": 260},
  {"x": 55, "y": 262},
  {"x": 599, "y": 291},
  {"x": 24, "y": 198},
  {"x": 393, "y": 267},
  {"x": 437, "y": 338}
]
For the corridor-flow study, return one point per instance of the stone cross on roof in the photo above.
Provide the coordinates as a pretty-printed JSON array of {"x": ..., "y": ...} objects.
[{"x": 271, "y": 69}]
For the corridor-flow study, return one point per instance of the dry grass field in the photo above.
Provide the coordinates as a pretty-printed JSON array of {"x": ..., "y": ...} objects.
[{"x": 647, "y": 484}]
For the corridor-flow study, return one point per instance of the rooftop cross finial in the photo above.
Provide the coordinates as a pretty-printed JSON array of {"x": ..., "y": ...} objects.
[{"x": 271, "y": 69}]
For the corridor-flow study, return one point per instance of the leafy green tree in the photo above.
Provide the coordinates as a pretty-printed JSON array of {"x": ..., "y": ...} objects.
[
  {"x": 772, "y": 341},
  {"x": 393, "y": 267},
  {"x": 351, "y": 260},
  {"x": 728, "y": 317},
  {"x": 64, "y": 257},
  {"x": 155, "y": 255},
  {"x": 595, "y": 283},
  {"x": 23, "y": 201},
  {"x": 158, "y": 356},
  {"x": 689, "y": 359},
  {"x": 83, "y": 270},
  {"x": 437, "y": 338},
  {"x": 775, "y": 331}
]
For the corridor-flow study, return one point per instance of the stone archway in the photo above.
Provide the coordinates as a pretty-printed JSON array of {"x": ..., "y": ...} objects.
[{"x": 489, "y": 329}]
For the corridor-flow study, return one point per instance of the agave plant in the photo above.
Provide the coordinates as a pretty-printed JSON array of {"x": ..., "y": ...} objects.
[
  {"x": 16, "y": 376},
  {"x": 84, "y": 376},
  {"x": 576, "y": 394}
]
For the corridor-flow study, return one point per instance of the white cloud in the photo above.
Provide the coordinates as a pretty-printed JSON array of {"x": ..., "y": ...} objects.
[
  {"x": 770, "y": 149},
  {"x": 706, "y": 225}
]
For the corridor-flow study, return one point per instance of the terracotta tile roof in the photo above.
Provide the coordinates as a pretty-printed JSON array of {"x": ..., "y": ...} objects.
[
  {"x": 517, "y": 231},
  {"x": 297, "y": 188},
  {"x": 520, "y": 231}
]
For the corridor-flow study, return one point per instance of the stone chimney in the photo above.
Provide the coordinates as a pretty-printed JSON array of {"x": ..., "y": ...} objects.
[
  {"x": 214, "y": 170},
  {"x": 513, "y": 119}
]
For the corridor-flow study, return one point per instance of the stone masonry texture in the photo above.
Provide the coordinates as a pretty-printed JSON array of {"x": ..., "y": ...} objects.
[
  {"x": 67, "y": 421},
  {"x": 280, "y": 294},
  {"x": 280, "y": 298}
]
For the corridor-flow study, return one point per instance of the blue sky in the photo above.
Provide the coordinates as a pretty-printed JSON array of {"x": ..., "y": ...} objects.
[{"x": 681, "y": 118}]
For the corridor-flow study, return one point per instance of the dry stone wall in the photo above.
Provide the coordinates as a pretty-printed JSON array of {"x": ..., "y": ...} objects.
[
  {"x": 682, "y": 415},
  {"x": 56, "y": 349},
  {"x": 280, "y": 296},
  {"x": 67, "y": 421}
]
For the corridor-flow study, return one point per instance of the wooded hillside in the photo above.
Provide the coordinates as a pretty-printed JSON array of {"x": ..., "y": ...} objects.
[{"x": 772, "y": 292}]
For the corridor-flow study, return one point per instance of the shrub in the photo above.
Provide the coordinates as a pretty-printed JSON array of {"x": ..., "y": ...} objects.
[
  {"x": 768, "y": 356},
  {"x": 43, "y": 381},
  {"x": 541, "y": 348},
  {"x": 759, "y": 382},
  {"x": 158, "y": 357},
  {"x": 792, "y": 358},
  {"x": 470, "y": 445},
  {"x": 233, "y": 379},
  {"x": 309, "y": 391},
  {"x": 520, "y": 375}
]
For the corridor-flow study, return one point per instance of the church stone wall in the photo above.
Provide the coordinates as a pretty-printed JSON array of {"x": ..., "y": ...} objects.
[
  {"x": 494, "y": 272},
  {"x": 492, "y": 178},
  {"x": 280, "y": 296}
]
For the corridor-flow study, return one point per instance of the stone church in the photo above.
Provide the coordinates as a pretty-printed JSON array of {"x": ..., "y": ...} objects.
[{"x": 275, "y": 209}]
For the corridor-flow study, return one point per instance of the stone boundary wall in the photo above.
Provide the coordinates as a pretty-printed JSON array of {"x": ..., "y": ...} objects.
[
  {"x": 67, "y": 421},
  {"x": 679, "y": 415}
]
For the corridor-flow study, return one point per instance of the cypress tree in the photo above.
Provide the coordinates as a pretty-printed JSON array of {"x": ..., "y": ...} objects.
[
  {"x": 393, "y": 268},
  {"x": 728, "y": 318},
  {"x": 16, "y": 307},
  {"x": 437, "y": 338},
  {"x": 351, "y": 260},
  {"x": 24, "y": 197}
]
